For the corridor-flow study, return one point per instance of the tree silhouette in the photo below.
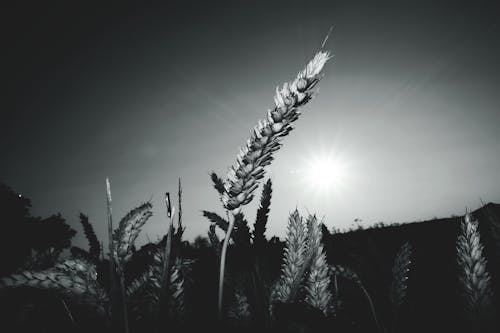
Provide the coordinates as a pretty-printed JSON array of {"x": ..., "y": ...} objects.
[
  {"x": 14, "y": 222},
  {"x": 26, "y": 240}
]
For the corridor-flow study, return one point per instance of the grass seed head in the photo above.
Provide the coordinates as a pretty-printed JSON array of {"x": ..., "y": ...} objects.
[
  {"x": 243, "y": 176},
  {"x": 473, "y": 276}
]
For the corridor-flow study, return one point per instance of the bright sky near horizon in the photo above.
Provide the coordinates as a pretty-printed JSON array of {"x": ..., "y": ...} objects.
[{"x": 408, "y": 110}]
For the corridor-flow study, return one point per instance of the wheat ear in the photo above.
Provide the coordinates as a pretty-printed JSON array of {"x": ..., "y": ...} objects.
[
  {"x": 128, "y": 229},
  {"x": 76, "y": 279},
  {"x": 318, "y": 281},
  {"x": 400, "y": 270},
  {"x": 294, "y": 257},
  {"x": 473, "y": 276},
  {"x": 177, "y": 290},
  {"x": 244, "y": 175},
  {"x": 149, "y": 285}
]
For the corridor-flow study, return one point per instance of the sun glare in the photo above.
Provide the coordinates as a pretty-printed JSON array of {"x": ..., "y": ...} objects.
[{"x": 325, "y": 172}]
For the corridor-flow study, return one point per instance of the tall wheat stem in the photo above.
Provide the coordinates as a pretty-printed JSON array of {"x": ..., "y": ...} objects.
[
  {"x": 123, "y": 300},
  {"x": 112, "y": 269},
  {"x": 110, "y": 232},
  {"x": 244, "y": 176},
  {"x": 223, "y": 261},
  {"x": 166, "y": 262},
  {"x": 111, "y": 250}
]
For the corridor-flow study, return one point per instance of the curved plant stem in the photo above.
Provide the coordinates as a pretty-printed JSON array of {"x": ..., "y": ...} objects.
[
  {"x": 68, "y": 312},
  {"x": 372, "y": 307},
  {"x": 223, "y": 262}
]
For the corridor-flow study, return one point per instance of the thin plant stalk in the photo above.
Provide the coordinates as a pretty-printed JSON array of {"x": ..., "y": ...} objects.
[
  {"x": 112, "y": 263},
  {"x": 123, "y": 301},
  {"x": 110, "y": 234},
  {"x": 179, "y": 214},
  {"x": 168, "y": 246},
  {"x": 372, "y": 307},
  {"x": 166, "y": 260},
  {"x": 68, "y": 312},
  {"x": 223, "y": 261},
  {"x": 111, "y": 248}
]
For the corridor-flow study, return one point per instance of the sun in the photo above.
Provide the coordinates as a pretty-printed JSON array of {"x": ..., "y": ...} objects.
[{"x": 325, "y": 172}]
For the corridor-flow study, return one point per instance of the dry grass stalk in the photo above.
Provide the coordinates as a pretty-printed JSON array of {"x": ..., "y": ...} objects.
[
  {"x": 166, "y": 267},
  {"x": 473, "y": 276},
  {"x": 180, "y": 228},
  {"x": 109, "y": 211},
  {"x": 400, "y": 270},
  {"x": 114, "y": 250},
  {"x": 318, "y": 281}
]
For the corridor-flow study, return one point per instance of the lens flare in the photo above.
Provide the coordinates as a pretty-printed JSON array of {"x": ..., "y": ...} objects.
[{"x": 325, "y": 172}]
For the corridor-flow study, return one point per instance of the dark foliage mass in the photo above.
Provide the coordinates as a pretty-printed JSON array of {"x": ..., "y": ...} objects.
[
  {"x": 29, "y": 240},
  {"x": 400, "y": 278}
]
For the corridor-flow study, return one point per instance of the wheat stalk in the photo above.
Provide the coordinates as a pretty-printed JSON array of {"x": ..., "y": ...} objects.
[
  {"x": 318, "y": 281},
  {"x": 473, "y": 276},
  {"x": 166, "y": 267},
  {"x": 244, "y": 175},
  {"x": 116, "y": 244}
]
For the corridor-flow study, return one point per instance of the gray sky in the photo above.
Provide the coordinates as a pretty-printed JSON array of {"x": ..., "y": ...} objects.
[{"x": 410, "y": 103}]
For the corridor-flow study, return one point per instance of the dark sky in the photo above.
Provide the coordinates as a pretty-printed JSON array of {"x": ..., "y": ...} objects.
[{"x": 146, "y": 94}]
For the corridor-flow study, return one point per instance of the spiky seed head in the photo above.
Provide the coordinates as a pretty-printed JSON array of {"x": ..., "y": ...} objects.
[
  {"x": 294, "y": 256},
  {"x": 318, "y": 281},
  {"x": 400, "y": 272},
  {"x": 128, "y": 230},
  {"x": 265, "y": 139},
  {"x": 473, "y": 275}
]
